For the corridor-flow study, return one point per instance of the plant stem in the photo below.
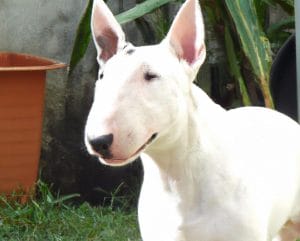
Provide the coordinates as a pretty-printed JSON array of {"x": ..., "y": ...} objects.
[{"x": 264, "y": 86}]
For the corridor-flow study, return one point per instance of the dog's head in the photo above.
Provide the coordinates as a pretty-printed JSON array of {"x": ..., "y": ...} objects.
[{"x": 141, "y": 92}]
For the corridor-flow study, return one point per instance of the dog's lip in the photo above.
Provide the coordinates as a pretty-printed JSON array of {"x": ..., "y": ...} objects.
[
  {"x": 150, "y": 140},
  {"x": 134, "y": 155}
]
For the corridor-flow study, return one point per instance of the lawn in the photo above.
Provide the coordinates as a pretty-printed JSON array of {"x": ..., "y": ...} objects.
[{"x": 50, "y": 218}]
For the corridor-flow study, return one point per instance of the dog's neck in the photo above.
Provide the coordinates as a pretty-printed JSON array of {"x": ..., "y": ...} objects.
[
  {"x": 183, "y": 169},
  {"x": 178, "y": 154}
]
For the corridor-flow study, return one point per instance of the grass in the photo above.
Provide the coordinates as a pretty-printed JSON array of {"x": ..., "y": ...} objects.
[{"x": 50, "y": 219}]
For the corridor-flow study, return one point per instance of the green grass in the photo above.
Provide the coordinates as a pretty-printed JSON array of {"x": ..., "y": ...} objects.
[{"x": 49, "y": 218}]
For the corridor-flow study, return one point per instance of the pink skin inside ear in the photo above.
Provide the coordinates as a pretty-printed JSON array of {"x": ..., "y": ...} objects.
[
  {"x": 105, "y": 29},
  {"x": 108, "y": 42},
  {"x": 188, "y": 46},
  {"x": 190, "y": 53},
  {"x": 185, "y": 33}
]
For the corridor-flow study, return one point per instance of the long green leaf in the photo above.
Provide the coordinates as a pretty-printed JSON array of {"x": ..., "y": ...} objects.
[
  {"x": 286, "y": 5},
  {"x": 254, "y": 42},
  {"x": 234, "y": 66},
  {"x": 261, "y": 7},
  {"x": 269, "y": 2},
  {"x": 275, "y": 28},
  {"x": 140, "y": 10},
  {"x": 83, "y": 37}
]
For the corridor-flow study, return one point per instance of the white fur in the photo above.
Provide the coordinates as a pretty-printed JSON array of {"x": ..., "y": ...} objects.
[{"x": 211, "y": 174}]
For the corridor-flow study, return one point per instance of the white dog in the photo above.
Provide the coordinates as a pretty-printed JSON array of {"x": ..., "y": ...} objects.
[{"x": 210, "y": 174}]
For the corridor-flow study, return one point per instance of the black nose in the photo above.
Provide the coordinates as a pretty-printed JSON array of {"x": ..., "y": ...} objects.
[{"x": 102, "y": 145}]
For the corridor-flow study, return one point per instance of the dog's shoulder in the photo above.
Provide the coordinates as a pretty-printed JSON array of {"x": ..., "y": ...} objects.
[{"x": 263, "y": 117}]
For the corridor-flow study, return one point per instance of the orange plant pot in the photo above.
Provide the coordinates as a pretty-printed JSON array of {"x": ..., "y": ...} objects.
[{"x": 22, "y": 87}]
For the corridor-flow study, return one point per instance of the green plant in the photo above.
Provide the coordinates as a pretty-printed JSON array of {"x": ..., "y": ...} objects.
[
  {"x": 242, "y": 25},
  {"x": 247, "y": 35}
]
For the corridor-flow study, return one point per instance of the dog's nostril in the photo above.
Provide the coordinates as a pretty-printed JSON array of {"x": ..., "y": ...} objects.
[
  {"x": 105, "y": 147},
  {"x": 102, "y": 145}
]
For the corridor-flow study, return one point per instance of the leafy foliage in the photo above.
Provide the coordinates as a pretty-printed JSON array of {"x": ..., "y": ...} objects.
[
  {"x": 242, "y": 26},
  {"x": 83, "y": 37},
  {"x": 248, "y": 39},
  {"x": 254, "y": 42},
  {"x": 140, "y": 10},
  {"x": 234, "y": 68}
]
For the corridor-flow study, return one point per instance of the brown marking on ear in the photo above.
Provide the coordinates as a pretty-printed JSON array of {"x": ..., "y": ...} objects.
[{"x": 108, "y": 41}]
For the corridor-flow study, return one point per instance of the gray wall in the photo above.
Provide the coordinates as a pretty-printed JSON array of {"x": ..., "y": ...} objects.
[{"x": 44, "y": 28}]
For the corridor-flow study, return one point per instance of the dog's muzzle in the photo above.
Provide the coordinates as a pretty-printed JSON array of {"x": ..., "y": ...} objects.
[{"x": 101, "y": 147}]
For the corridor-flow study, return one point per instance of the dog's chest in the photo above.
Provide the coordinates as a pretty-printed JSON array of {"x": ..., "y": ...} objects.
[
  {"x": 162, "y": 219},
  {"x": 166, "y": 216}
]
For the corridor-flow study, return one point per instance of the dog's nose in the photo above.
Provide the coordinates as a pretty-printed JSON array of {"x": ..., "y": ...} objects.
[{"x": 102, "y": 145}]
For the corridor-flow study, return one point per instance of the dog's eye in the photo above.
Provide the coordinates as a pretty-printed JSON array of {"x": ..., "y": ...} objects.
[
  {"x": 148, "y": 76},
  {"x": 101, "y": 75}
]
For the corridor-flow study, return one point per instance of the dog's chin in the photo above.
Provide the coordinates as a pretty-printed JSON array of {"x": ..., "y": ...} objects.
[
  {"x": 124, "y": 161},
  {"x": 118, "y": 162}
]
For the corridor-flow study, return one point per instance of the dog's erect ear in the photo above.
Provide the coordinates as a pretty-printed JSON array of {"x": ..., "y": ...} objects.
[
  {"x": 186, "y": 35},
  {"x": 107, "y": 33}
]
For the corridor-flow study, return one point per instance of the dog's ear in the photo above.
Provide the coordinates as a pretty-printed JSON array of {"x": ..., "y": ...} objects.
[
  {"x": 108, "y": 35},
  {"x": 186, "y": 35}
]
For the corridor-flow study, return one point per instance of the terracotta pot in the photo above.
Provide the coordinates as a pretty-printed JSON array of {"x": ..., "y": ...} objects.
[{"x": 22, "y": 87}]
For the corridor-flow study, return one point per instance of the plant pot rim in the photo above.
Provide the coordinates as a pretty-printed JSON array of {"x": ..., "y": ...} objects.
[{"x": 15, "y": 61}]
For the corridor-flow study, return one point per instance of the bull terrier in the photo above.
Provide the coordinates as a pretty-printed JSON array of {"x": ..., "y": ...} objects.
[{"x": 209, "y": 174}]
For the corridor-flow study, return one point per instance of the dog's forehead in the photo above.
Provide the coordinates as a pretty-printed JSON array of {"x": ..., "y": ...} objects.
[{"x": 132, "y": 58}]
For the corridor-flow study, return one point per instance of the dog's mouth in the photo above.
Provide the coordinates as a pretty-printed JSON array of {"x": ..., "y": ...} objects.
[
  {"x": 122, "y": 161},
  {"x": 150, "y": 140}
]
